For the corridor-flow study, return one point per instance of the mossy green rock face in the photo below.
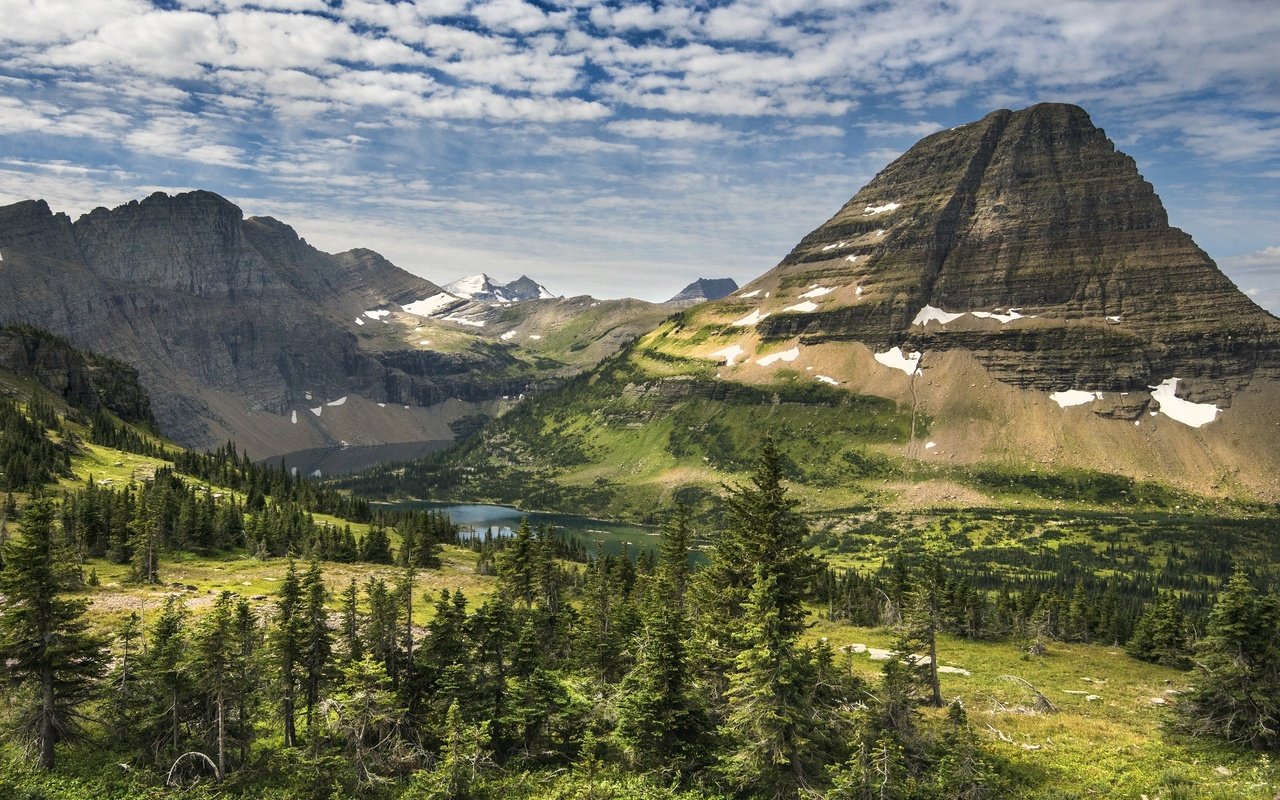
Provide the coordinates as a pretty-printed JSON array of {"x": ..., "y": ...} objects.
[{"x": 1035, "y": 211}]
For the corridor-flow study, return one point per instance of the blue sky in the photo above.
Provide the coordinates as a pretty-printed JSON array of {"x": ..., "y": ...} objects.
[{"x": 624, "y": 148}]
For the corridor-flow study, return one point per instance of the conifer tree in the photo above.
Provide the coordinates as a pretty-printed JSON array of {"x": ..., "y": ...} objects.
[
  {"x": 351, "y": 623},
  {"x": 769, "y": 718},
  {"x": 1161, "y": 634},
  {"x": 1236, "y": 694},
  {"x": 44, "y": 642},
  {"x": 216, "y": 652},
  {"x": 659, "y": 716},
  {"x": 166, "y": 677},
  {"x": 317, "y": 647},
  {"x": 290, "y": 646},
  {"x": 923, "y": 618}
]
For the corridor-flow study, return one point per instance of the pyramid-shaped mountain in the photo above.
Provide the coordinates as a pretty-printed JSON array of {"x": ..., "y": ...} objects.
[
  {"x": 1028, "y": 240},
  {"x": 702, "y": 290}
]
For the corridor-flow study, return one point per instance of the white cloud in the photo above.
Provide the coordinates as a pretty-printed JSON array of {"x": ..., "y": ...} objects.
[{"x": 679, "y": 129}]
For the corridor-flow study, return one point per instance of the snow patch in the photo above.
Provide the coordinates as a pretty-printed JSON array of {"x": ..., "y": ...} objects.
[
  {"x": 834, "y": 246},
  {"x": 880, "y": 232},
  {"x": 1074, "y": 397},
  {"x": 377, "y": 313},
  {"x": 851, "y": 259},
  {"x": 429, "y": 305},
  {"x": 827, "y": 379},
  {"x": 857, "y": 291},
  {"x": 750, "y": 319},
  {"x": 894, "y": 358},
  {"x": 359, "y": 321},
  {"x": 729, "y": 354},
  {"x": 534, "y": 336},
  {"x": 751, "y": 293},
  {"x": 337, "y": 402},
  {"x": 932, "y": 313},
  {"x": 871, "y": 211},
  {"x": 424, "y": 342},
  {"x": 293, "y": 417},
  {"x": 1009, "y": 316},
  {"x": 507, "y": 336},
  {"x": 382, "y": 405},
  {"x": 475, "y": 323},
  {"x": 816, "y": 291},
  {"x": 806, "y": 307},
  {"x": 1184, "y": 411},
  {"x": 1116, "y": 318},
  {"x": 785, "y": 355},
  {"x": 930, "y": 445},
  {"x": 317, "y": 410}
]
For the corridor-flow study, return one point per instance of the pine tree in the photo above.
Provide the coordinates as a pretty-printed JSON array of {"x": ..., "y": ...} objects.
[
  {"x": 290, "y": 645},
  {"x": 317, "y": 647},
  {"x": 166, "y": 677},
  {"x": 216, "y": 652},
  {"x": 1161, "y": 634},
  {"x": 44, "y": 642},
  {"x": 659, "y": 716},
  {"x": 351, "y": 623},
  {"x": 1236, "y": 694},
  {"x": 923, "y": 619},
  {"x": 769, "y": 717}
]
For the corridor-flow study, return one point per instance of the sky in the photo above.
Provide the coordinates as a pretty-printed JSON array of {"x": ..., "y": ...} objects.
[{"x": 618, "y": 149}]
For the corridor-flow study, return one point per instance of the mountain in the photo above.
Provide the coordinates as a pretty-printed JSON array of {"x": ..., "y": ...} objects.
[
  {"x": 240, "y": 329},
  {"x": 702, "y": 290},
  {"x": 481, "y": 288},
  {"x": 1005, "y": 305}
]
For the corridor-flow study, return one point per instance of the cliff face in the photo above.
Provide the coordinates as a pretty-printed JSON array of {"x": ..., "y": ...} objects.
[
  {"x": 1034, "y": 211},
  {"x": 233, "y": 324},
  {"x": 86, "y": 381}
]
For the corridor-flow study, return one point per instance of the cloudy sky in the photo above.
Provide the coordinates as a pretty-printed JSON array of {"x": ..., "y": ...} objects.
[{"x": 618, "y": 148}]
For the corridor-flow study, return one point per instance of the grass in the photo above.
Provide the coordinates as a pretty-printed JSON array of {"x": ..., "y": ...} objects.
[{"x": 1116, "y": 746}]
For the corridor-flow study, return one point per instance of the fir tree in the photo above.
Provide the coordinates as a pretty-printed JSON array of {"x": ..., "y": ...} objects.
[
  {"x": 770, "y": 712},
  {"x": 290, "y": 646},
  {"x": 1161, "y": 634},
  {"x": 44, "y": 643},
  {"x": 316, "y": 645},
  {"x": 1236, "y": 694}
]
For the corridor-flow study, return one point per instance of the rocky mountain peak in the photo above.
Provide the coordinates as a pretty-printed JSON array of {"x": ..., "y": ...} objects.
[
  {"x": 704, "y": 289},
  {"x": 1023, "y": 215}
]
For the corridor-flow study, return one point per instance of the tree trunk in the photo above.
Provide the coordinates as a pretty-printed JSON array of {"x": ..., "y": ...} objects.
[
  {"x": 289, "y": 733},
  {"x": 47, "y": 730},
  {"x": 936, "y": 699},
  {"x": 222, "y": 737}
]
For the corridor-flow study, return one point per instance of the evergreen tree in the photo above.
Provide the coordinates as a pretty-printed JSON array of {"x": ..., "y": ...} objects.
[
  {"x": 1161, "y": 634},
  {"x": 659, "y": 716},
  {"x": 770, "y": 716},
  {"x": 351, "y": 623},
  {"x": 290, "y": 647},
  {"x": 923, "y": 618},
  {"x": 168, "y": 688},
  {"x": 44, "y": 642},
  {"x": 216, "y": 653},
  {"x": 316, "y": 646},
  {"x": 1236, "y": 694}
]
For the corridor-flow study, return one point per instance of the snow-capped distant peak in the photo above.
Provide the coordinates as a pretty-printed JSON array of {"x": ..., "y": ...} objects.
[
  {"x": 471, "y": 286},
  {"x": 482, "y": 288}
]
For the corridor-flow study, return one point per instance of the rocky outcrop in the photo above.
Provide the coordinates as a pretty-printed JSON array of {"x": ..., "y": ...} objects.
[
  {"x": 223, "y": 317},
  {"x": 703, "y": 290},
  {"x": 84, "y": 380},
  {"x": 1034, "y": 211}
]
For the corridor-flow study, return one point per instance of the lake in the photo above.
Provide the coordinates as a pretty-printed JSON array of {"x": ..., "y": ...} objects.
[{"x": 615, "y": 537}]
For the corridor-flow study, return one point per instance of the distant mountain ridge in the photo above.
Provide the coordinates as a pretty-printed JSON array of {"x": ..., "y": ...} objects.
[
  {"x": 704, "y": 289},
  {"x": 483, "y": 289}
]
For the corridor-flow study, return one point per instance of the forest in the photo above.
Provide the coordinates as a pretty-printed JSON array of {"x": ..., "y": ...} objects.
[{"x": 572, "y": 674}]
